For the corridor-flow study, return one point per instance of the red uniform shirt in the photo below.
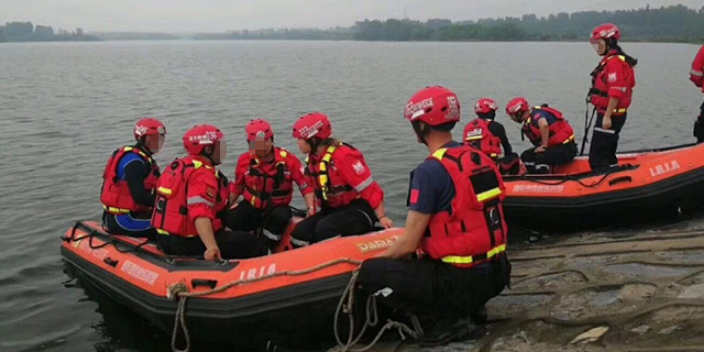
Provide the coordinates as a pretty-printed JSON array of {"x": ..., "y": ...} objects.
[
  {"x": 614, "y": 78},
  {"x": 696, "y": 75},
  {"x": 293, "y": 173},
  {"x": 202, "y": 198},
  {"x": 347, "y": 168}
]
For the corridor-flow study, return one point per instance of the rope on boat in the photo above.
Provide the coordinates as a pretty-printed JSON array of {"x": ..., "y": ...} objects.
[
  {"x": 371, "y": 320},
  {"x": 179, "y": 291}
]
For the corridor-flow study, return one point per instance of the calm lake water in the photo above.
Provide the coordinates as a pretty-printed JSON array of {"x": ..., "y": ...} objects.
[{"x": 66, "y": 106}]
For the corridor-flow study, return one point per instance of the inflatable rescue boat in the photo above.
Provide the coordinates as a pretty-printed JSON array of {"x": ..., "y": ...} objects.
[
  {"x": 289, "y": 296},
  {"x": 645, "y": 185}
]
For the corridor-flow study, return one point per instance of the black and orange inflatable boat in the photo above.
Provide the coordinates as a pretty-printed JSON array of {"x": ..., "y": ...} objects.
[
  {"x": 286, "y": 308},
  {"x": 647, "y": 184}
]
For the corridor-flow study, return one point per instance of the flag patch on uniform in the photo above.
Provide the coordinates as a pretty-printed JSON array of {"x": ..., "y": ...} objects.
[
  {"x": 358, "y": 167},
  {"x": 612, "y": 77},
  {"x": 210, "y": 191},
  {"x": 414, "y": 196}
]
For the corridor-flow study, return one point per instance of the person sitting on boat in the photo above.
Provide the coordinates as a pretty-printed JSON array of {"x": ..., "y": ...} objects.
[
  {"x": 696, "y": 75},
  {"x": 350, "y": 201},
  {"x": 190, "y": 194},
  {"x": 129, "y": 178},
  {"x": 613, "y": 81},
  {"x": 264, "y": 176},
  {"x": 548, "y": 131},
  {"x": 455, "y": 224},
  {"x": 489, "y": 136}
]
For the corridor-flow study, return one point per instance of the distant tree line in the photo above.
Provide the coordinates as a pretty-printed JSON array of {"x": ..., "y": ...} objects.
[
  {"x": 281, "y": 34},
  {"x": 27, "y": 32},
  {"x": 673, "y": 23}
]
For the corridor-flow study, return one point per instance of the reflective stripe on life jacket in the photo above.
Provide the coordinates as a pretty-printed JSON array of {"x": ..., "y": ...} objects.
[
  {"x": 170, "y": 215},
  {"x": 474, "y": 230},
  {"x": 478, "y": 135},
  {"x": 115, "y": 194},
  {"x": 263, "y": 190},
  {"x": 329, "y": 186},
  {"x": 559, "y": 132}
]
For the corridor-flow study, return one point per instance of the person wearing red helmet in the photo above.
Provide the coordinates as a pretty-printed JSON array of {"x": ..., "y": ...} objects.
[
  {"x": 191, "y": 197},
  {"x": 489, "y": 136},
  {"x": 264, "y": 176},
  {"x": 696, "y": 75},
  {"x": 127, "y": 192},
  {"x": 548, "y": 131},
  {"x": 613, "y": 81},
  {"x": 350, "y": 201},
  {"x": 455, "y": 224}
]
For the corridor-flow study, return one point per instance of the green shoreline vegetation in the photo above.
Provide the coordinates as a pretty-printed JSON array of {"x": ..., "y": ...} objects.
[
  {"x": 674, "y": 24},
  {"x": 27, "y": 32}
]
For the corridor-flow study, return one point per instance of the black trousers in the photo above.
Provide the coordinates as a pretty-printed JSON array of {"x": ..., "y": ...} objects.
[
  {"x": 273, "y": 221},
  {"x": 539, "y": 163},
  {"x": 509, "y": 164},
  {"x": 602, "y": 151},
  {"x": 132, "y": 227},
  {"x": 699, "y": 125},
  {"x": 232, "y": 245},
  {"x": 431, "y": 287},
  {"x": 355, "y": 218}
]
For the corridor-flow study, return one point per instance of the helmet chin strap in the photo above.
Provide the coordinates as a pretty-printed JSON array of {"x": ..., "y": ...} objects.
[
  {"x": 421, "y": 133},
  {"x": 142, "y": 144}
]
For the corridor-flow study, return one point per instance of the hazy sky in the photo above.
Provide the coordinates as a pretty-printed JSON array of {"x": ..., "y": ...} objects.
[{"x": 222, "y": 15}]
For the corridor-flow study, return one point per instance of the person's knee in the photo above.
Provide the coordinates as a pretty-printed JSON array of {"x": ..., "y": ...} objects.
[
  {"x": 327, "y": 228},
  {"x": 528, "y": 155}
]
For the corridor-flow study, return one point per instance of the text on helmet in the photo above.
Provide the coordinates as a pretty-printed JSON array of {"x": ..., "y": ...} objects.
[
  {"x": 310, "y": 131},
  {"x": 206, "y": 138},
  {"x": 414, "y": 110}
]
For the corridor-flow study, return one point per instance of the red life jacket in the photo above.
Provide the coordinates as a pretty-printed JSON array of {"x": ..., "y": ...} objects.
[
  {"x": 170, "y": 215},
  {"x": 474, "y": 230},
  {"x": 268, "y": 189},
  {"x": 114, "y": 193},
  {"x": 598, "y": 93},
  {"x": 478, "y": 135},
  {"x": 559, "y": 132},
  {"x": 330, "y": 188}
]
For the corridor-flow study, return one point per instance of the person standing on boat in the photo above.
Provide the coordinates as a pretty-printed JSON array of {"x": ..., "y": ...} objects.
[
  {"x": 190, "y": 195},
  {"x": 548, "y": 131},
  {"x": 455, "y": 224},
  {"x": 613, "y": 81},
  {"x": 129, "y": 178},
  {"x": 489, "y": 136},
  {"x": 350, "y": 201},
  {"x": 264, "y": 176},
  {"x": 696, "y": 75}
]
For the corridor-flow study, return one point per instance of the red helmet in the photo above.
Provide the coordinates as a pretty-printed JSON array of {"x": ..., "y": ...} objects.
[
  {"x": 434, "y": 106},
  {"x": 311, "y": 125},
  {"x": 516, "y": 105},
  {"x": 200, "y": 137},
  {"x": 258, "y": 128},
  {"x": 605, "y": 31},
  {"x": 485, "y": 106},
  {"x": 148, "y": 126}
]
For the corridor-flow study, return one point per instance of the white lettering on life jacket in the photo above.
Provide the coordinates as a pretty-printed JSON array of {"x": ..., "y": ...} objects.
[{"x": 661, "y": 169}]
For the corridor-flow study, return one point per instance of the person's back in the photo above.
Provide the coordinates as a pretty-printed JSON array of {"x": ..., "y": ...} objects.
[
  {"x": 549, "y": 132},
  {"x": 191, "y": 195},
  {"x": 455, "y": 225},
  {"x": 129, "y": 179},
  {"x": 489, "y": 136}
]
